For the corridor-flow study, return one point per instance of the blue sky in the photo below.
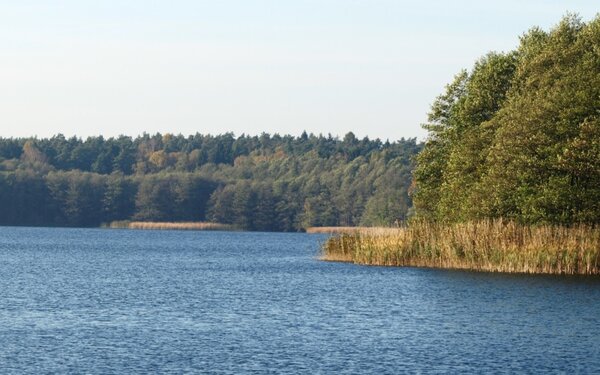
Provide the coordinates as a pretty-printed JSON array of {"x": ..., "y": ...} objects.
[{"x": 330, "y": 66}]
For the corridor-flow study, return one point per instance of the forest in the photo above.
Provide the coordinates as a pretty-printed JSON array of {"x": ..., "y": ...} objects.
[
  {"x": 518, "y": 136},
  {"x": 266, "y": 182}
]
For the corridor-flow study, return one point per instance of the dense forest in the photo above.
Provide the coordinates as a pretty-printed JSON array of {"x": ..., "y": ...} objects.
[
  {"x": 266, "y": 182},
  {"x": 518, "y": 136}
]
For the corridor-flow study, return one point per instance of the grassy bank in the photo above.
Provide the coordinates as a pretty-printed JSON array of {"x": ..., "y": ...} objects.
[
  {"x": 348, "y": 230},
  {"x": 169, "y": 225},
  {"x": 495, "y": 246}
]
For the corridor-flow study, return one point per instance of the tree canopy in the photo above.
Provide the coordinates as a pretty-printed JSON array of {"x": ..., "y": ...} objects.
[
  {"x": 518, "y": 136},
  {"x": 266, "y": 182}
]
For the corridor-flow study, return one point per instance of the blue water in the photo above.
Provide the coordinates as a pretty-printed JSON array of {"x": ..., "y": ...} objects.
[{"x": 120, "y": 301}]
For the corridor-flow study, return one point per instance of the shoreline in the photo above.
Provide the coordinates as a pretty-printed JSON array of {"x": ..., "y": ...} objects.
[
  {"x": 157, "y": 225},
  {"x": 487, "y": 246}
]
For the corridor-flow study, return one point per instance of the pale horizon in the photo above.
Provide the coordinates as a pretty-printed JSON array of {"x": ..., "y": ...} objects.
[{"x": 81, "y": 68}]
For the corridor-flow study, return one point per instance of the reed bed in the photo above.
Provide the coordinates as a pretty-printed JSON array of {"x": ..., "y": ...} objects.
[
  {"x": 348, "y": 230},
  {"x": 493, "y": 246},
  {"x": 170, "y": 225}
]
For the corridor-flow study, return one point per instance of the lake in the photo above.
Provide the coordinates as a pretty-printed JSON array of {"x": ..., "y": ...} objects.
[{"x": 126, "y": 301}]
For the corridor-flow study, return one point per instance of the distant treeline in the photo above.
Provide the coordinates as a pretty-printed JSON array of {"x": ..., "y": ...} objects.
[
  {"x": 518, "y": 136},
  {"x": 266, "y": 182}
]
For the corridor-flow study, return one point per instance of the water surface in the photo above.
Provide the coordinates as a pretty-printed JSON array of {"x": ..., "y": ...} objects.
[{"x": 125, "y": 301}]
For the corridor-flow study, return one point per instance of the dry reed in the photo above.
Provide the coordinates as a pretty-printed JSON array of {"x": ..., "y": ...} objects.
[
  {"x": 170, "y": 225},
  {"x": 495, "y": 246},
  {"x": 347, "y": 230}
]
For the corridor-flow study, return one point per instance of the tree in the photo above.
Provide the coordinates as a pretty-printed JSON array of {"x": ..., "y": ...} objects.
[{"x": 517, "y": 137}]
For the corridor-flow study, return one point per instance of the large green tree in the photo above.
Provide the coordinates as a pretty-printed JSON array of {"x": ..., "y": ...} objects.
[{"x": 517, "y": 137}]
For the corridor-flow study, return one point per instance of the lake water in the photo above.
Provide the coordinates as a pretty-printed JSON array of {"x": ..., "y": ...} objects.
[{"x": 122, "y": 301}]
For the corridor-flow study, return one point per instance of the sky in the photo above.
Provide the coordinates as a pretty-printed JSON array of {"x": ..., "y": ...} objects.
[{"x": 373, "y": 67}]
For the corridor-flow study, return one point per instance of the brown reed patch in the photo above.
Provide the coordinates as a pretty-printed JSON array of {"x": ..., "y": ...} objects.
[
  {"x": 348, "y": 230},
  {"x": 170, "y": 225},
  {"x": 494, "y": 246}
]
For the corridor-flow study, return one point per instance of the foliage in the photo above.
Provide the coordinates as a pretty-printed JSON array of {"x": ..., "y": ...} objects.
[
  {"x": 277, "y": 183},
  {"x": 519, "y": 135}
]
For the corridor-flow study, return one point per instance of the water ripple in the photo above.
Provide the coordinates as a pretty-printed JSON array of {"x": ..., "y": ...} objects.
[{"x": 116, "y": 301}]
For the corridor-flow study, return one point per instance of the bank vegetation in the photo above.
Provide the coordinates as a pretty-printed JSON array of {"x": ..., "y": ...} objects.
[
  {"x": 125, "y": 224},
  {"x": 492, "y": 245},
  {"x": 509, "y": 176}
]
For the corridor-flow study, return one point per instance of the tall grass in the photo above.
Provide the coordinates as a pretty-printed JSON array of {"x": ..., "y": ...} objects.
[
  {"x": 496, "y": 246},
  {"x": 169, "y": 225},
  {"x": 347, "y": 230}
]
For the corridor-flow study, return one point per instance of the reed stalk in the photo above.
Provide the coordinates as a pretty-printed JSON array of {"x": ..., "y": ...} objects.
[
  {"x": 494, "y": 246},
  {"x": 348, "y": 230},
  {"x": 169, "y": 225}
]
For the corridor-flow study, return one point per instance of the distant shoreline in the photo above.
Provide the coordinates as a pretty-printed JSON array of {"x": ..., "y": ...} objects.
[
  {"x": 349, "y": 230},
  {"x": 147, "y": 225}
]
